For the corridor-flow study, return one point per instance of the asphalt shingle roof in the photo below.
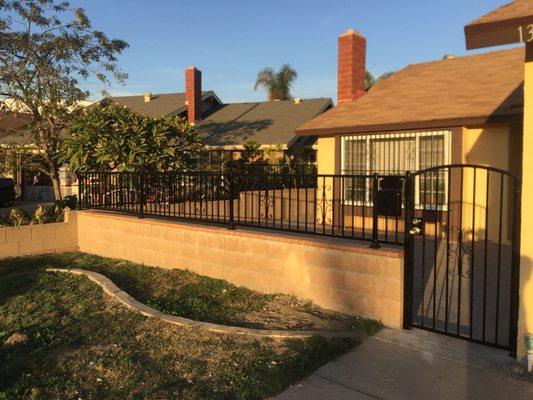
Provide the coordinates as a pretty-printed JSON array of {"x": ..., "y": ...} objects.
[
  {"x": 448, "y": 92},
  {"x": 268, "y": 123},
  {"x": 160, "y": 105},
  {"x": 512, "y": 10}
]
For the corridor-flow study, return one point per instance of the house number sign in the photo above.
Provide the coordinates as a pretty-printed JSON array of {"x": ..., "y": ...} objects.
[{"x": 526, "y": 33}]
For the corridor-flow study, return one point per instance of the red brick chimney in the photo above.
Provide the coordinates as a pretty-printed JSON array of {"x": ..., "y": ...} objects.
[
  {"x": 193, "y": 94},
  {"x": 351, "y": 69}
]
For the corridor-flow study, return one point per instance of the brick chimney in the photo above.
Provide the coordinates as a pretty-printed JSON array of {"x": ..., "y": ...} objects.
[
  {"x": 351, "y": 68},
  {"x": 193, "y": 94}
]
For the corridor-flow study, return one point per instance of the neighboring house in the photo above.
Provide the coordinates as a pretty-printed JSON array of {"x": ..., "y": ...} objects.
[
  {"x": 457, "y": 133},
  {"x": 34, "y": 185},
  {"x": 227, "y": 127}
]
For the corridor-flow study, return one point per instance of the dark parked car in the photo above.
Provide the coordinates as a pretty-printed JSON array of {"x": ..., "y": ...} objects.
[{"x": 7, "y": 191}]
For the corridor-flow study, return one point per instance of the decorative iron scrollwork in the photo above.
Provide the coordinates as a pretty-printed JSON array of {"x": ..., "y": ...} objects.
[
  {"x": 200, "y": 210},
  {"x": 458, "y": 251},
  {"x": 266, "y": 206},
  {"x": 324, "y": 205}
]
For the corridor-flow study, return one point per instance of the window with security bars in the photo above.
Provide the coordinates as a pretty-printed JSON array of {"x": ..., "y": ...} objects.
[
  {"x": 395, "y": 154},
  {"x": 432, "y": 186}
]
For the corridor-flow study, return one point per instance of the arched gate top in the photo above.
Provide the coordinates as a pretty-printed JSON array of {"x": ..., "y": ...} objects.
[{"x": 476, "y": 166}]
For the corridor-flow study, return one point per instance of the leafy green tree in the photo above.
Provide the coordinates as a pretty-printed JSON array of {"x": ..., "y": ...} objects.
[
  {"x": 277, "y": 84},
  {"x": 46, "y": 48},
  {"x": 252, "y": 153},
  {"x": 371, "y": 81},
  {"x": 110, "y": 137}
]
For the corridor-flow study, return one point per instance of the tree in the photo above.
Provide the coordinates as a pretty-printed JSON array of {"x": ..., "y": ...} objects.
[
  {"x": 371, "y": 81},
  {"x": 277, "y": 84},
  {"x": 252, "y": 153},
  {"x": 110, "y": 137},
  {"x": 46, "y": 48}
]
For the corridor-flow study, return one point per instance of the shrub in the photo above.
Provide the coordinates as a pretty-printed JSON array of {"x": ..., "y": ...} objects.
[
  {"x": 55, "y": 213},
  {"x": 17, "y": 217}
]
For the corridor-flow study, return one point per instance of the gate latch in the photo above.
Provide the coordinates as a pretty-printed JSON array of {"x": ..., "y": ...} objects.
[{"x": 417, "y": 226}]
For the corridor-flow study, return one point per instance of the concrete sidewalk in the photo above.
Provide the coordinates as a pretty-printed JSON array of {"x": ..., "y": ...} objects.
[{"x": 414, "y": 365}]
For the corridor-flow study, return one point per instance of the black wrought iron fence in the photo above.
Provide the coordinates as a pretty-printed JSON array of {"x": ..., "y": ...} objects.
[{"x": 366, "y": 207}]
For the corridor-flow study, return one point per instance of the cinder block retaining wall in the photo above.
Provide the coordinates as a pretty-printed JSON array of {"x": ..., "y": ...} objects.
[
  {"x": 338, "y": 274},
  {"x": 341, "y": 275},
  {"x": 37, "y": 239}
]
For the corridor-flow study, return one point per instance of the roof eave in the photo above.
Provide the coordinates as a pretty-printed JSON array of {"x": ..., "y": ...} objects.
[
  {"x": 496, "y": 33},
  {"x": 410, "y": 125},
  {"x": 240, "y": 147}
]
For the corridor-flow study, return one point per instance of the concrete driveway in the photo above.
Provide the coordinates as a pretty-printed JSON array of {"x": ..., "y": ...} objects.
[{"x": 414, "y": 365}]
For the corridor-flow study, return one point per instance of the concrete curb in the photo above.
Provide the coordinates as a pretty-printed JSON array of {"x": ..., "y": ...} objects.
[{"x": 111, "y": 289}]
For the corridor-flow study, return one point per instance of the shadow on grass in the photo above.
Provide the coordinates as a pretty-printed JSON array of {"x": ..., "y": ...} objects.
[
  {"x": 19, "y": 275},
  {"x": 187, "y": 294},
  {"x": 82, "y": 345}
]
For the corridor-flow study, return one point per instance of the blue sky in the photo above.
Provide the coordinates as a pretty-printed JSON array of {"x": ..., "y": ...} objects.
[{"x": 230, "y": 40}]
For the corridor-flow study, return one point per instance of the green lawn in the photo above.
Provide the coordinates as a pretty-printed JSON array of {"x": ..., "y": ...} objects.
[
  {"x": 77, "y": 342},
  {"x": 186, "y": 294}
]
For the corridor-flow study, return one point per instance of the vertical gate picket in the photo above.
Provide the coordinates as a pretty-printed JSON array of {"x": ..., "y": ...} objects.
[{"x": 408, "y": 254}]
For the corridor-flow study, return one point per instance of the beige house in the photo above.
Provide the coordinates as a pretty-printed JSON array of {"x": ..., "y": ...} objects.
[
  {"x": 454, "y": 133},
  {"x": 32, "y": 185},
  {"x": 475, "y": 118}
]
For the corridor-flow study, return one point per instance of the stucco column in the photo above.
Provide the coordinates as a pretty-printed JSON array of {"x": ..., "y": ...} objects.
[
  {"x": 525, "y": 319},
  {"x": 327, "y": 160}
]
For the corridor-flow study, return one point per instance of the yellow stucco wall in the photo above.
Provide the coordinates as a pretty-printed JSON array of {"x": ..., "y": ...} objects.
[
  {"x": 525, "y": 319},
  {"x": 326, "y": 155},
  {"x": 327, "y": 164},
  {"x": 497, "y": 146}
]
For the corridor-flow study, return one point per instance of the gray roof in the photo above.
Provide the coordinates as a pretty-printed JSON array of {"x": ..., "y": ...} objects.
[
  {"x": 164, "y": 104},
  {"x": 268, "y": 123}
]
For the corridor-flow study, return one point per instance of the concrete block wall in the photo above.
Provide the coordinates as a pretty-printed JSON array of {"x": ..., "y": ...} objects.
[
  {"x": 38, "y": 239},
  {"x": 337, "y": 274}
]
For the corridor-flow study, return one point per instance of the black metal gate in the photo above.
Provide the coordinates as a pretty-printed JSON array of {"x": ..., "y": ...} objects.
[{"x": 461, "y": 253}]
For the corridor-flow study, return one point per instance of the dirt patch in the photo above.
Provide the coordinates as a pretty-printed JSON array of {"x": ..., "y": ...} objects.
[
  {"x": 78, "y": 352},
  {"x": 287, "y": 312},
  {"x": 17, "y": 339}
]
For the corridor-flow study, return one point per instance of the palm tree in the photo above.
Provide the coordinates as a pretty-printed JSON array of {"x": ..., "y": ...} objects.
[
  {"x": 371, "y": 81},
  {"x": 277, "y": 84}
]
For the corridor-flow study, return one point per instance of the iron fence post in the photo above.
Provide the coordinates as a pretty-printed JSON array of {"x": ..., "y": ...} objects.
[
  {"x": 375, "y": 238},
  {"x": 141, "y": 193},
  {"x": 408, "y": 253},
  {"x": 231, "y": 179},
  {"x": 81, "y": 197}
]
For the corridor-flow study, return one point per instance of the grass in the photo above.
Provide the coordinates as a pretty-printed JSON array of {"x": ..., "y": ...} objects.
[
  {"x": 83, "y": 344},
  {"x": 186, "y": 294},
  {"x": 177, "y": 292}
]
